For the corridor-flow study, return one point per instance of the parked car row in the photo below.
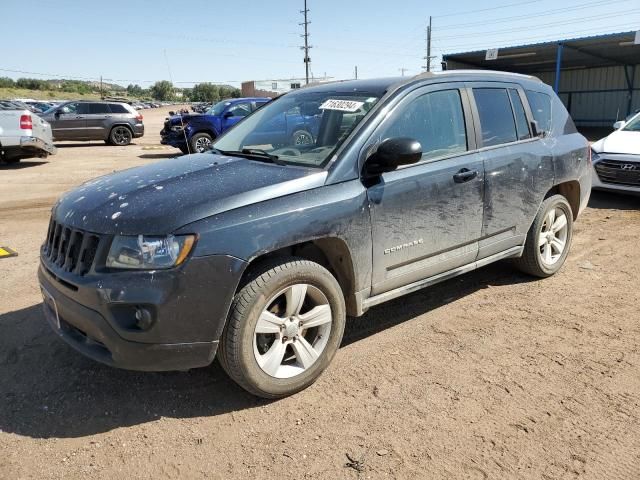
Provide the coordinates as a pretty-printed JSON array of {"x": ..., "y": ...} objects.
[{"x": 25, "y": 134}]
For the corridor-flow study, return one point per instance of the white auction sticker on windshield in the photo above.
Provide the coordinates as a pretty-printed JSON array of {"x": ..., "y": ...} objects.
[{"x": 341, "y": 105}]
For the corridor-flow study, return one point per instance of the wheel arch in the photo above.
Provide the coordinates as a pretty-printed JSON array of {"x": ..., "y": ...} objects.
[
  {"x": 209, "y": 131},
  {"x": 569, "y": 190},
  {"x": 330, "y": 252}
]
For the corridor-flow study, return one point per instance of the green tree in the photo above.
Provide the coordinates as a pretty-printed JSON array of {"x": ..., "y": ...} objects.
[
  {"x": 6, "y": 82},
  {"x": 205, "y": 92},
  {"x": 162, "y": 90},
  {"x": 135, "y": 90}
]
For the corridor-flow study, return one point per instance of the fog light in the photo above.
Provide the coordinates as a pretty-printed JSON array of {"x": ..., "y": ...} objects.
[{"x": 144, "y": 319}]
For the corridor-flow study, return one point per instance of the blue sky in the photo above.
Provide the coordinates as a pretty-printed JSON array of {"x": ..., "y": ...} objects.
[{"x": 227, "y": 42}]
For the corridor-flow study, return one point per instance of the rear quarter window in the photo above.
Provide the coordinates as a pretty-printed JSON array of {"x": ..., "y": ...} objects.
[
  {"x": 117, "y": 108},
  {"x": 540, "y": 104}
]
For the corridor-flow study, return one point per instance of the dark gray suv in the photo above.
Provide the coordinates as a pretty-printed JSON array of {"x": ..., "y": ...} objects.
[
  {"x": 257, "y": 251},
  {"x": 115, "y": 123}
]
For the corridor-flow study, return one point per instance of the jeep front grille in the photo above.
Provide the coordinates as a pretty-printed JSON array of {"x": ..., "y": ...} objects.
[
  {"x": 618, "y": 172},
  {"x": 70, "y": 249}
]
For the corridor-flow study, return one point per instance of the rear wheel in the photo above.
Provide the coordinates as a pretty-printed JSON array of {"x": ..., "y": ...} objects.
[
  {"x": 120, "y": 135},
  {"x": 201, "y": 142},
  {"x": 284, "y": 328},
  {"x": 301, "y": 138},
  {"x": 549, "y": 238}
]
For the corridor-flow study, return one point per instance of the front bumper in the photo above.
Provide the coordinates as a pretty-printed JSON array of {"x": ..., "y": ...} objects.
[
  {"x": 95, "y": 314},
  {"x": 616, "y": 182},
  {"x": 34, "y": 143},
  {"x": 173, "y": 139}
]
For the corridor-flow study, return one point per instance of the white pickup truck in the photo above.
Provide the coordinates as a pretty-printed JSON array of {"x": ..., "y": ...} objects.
[{"x": 23, "y": 134}]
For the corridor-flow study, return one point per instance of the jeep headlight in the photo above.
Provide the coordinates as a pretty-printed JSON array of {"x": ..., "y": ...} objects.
[{"x": 145, "y": 252}]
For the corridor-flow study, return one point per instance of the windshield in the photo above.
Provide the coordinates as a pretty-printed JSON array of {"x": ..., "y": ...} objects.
[
  {"x": 301, "y": 128},
  {"x": 218, "y": 108},
  {"x": 633, "y": 125}
]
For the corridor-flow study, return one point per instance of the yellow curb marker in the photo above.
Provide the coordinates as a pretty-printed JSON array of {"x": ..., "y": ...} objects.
[{"x": 6, "y": 252}]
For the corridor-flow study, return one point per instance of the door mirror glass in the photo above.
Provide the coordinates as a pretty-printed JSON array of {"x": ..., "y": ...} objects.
[
  {"x": 392, "y": 153},
  {"x": 619, "y": 124},
  {"x": 228, "y": 114}
]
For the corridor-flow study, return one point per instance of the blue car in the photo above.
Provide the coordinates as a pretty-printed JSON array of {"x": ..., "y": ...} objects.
[{"x": 194, "y": 133}]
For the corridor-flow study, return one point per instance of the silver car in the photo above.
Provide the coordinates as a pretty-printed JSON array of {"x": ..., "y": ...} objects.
[{"x": 115, "y": 123}]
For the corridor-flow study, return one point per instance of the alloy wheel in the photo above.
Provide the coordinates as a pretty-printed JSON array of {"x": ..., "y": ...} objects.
[
  {"x": 292, "y": 331},
  {"x": 552, "y": 239}
]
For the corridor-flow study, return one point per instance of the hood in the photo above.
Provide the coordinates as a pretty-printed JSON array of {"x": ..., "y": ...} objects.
[
  {"x": 620, "y": 141},
  {"x": 160, "y": 198},
  {"x": 179, "y": 119}
]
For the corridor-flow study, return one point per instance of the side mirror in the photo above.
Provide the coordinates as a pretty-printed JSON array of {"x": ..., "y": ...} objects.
[
  {"x": 619, "y": 124},
  {"x": 392, "y": 153},
  {"x": 228, "y": 114}
]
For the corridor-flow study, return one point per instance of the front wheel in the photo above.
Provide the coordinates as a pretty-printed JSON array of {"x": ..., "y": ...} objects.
[
  {"x": 201, "y": 142},
  {"x": 284, "y": 328},
  {"x": 549, "y": 238}
]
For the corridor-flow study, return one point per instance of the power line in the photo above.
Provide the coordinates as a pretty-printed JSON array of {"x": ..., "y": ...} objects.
[
  {"x": 534, "y": 15},
  {"x": 467, "y": 12},
  {"x": 552, "y": 24}
]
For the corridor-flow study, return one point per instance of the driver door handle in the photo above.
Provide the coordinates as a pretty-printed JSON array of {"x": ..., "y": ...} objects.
[{"x": 465, "y": 175}]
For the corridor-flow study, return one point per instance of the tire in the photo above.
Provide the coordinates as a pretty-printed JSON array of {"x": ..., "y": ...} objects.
[
  {"x": 199, "y": 142},
  {"x": 120, "y": 135},
  {"x": 542, "y": 256},
  {"x": 279, "y": 363},
  {"x": 301, "y": 138}
]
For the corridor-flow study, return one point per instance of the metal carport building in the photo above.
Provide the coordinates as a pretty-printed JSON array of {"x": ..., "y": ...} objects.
[{"x": 597, "y": 78}]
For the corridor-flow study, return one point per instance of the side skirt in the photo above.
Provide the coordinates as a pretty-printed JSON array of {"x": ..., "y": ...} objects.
[{"x": 365, "y": 304}]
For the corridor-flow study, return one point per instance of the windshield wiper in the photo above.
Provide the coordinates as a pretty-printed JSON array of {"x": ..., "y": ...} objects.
[
  {"x": 251, "y": 153},
  {"x": 263, "y": 154}
]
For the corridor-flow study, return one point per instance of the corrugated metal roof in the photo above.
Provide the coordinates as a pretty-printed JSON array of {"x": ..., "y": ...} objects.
[{"x": 585, "y": 52}]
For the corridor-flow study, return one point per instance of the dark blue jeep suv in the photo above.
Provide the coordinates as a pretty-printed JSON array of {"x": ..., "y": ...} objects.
[
  {"x": 194, "y": 133},
  {"x": 255, "y": 252}
]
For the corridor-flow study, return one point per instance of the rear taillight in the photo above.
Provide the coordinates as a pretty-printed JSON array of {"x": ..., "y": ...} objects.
[
  {"x": 25, "y": 122},
  {"x": 139, "y": 118}
]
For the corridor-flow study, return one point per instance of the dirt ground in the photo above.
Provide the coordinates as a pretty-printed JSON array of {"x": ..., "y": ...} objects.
[{"x": 491, "y": 375}]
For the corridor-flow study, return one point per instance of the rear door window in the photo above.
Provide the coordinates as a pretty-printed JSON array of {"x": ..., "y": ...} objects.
[
  {"x": 522, "y": 124},
  {"x": 98, "y": 109},
  {"x": 496, "y": 117},
  {"x": 540, "y": 104}
]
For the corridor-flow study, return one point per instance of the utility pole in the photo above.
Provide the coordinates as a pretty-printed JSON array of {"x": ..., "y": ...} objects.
[
  {"x": 101, "y": 94},
  {"x": 429, "y": 57},
  {"x": 356, "y": 72},
  {"x": 306, "y": 46},
  {"x": 402, "y": 70}
]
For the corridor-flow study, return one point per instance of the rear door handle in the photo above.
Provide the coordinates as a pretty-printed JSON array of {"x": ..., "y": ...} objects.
[{"x": 465, "y": 175}]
